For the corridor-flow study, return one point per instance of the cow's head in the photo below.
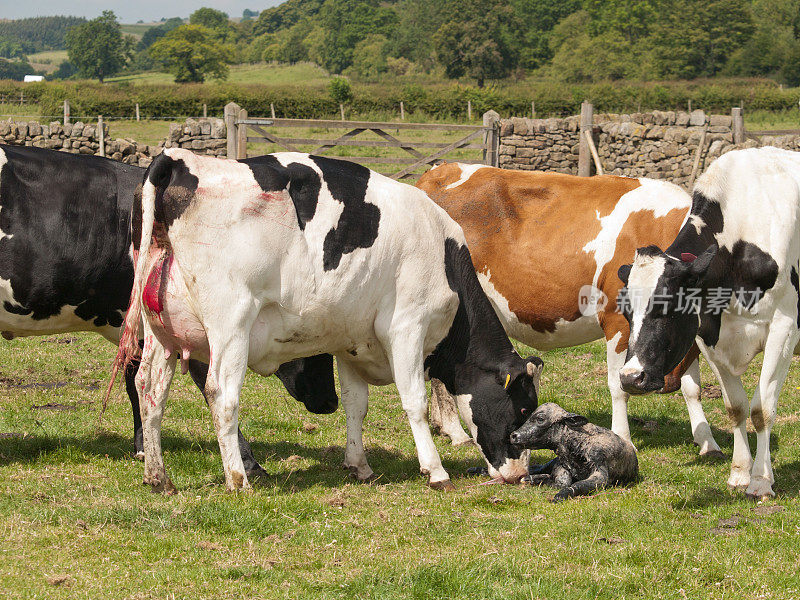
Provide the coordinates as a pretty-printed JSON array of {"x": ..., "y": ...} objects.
[
  {"x": 663, "y": 318},
  {"x": 495, "y": 403},
  {"x": 544, "y": 428}
]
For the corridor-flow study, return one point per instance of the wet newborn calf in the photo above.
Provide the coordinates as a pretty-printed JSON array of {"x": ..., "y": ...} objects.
[{"x": 588, "y": 457}]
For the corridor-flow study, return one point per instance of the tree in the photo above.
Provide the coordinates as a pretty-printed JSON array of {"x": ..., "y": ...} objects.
[
  {"x": 215, "y": 20},
  {"x": 695, "y": 39},
  {"x": 157, "y": 32},
  {"x": 369, "y": 56},
  {"x": 97, "y": 48},
  {"x": 477, "y": 42},
  {"x": 346, "y": 23},
  {"x": 191, "y": 53},
  {"x": 533, "y": 24}
]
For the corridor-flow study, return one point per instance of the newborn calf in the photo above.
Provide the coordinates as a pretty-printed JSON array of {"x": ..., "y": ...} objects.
[{"x": 588, "y": 457}]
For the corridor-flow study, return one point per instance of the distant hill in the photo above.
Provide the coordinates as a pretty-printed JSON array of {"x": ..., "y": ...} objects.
[{"x": 37, "y": 34}]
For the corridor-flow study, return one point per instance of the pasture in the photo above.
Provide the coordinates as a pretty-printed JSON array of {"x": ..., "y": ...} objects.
[{"x": 75, "y": 521}]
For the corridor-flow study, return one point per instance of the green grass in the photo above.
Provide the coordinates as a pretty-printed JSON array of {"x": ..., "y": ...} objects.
[
  {"x": 261, "y": 73},
  {"x": 136, "y": 29},
  {"x": 73, "y": 509},
  {"x": 47, "y": 61}
]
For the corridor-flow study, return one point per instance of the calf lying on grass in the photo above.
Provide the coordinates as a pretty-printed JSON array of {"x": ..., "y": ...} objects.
[{"x": 588, "y": 457}]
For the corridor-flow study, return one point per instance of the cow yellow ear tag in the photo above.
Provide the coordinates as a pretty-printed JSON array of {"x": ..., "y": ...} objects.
[{"x": 508, "y": 379}]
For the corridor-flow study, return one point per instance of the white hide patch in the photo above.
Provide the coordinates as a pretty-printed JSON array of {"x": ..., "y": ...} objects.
[
  {"x": 642, "y": 283},
  {"x": 659, "y": 197},
  {"x": 632, "y": 367},
  {"x": 467, "y": 171}
]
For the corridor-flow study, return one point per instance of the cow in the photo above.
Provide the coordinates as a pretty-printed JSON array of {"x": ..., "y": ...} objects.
[
  {"x": 261, "y": 261},
  {"x": 547, "y": 247},
  {"x": 66, "y": 263},
  {"x": 728, "y": 280}
]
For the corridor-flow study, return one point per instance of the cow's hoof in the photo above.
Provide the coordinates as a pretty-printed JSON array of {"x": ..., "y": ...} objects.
[
  {"x": 362, "y": 474},
  {"x": 760, "y": 489},
  {"x": 165, "y": 487},
  {"x": 257, "y": 472},
  {"x": 138, "y": 455},
  {"x": 739, "y": 480},
  {"x": 713, "y": 456},
  {"x": 443, "y": 486}
]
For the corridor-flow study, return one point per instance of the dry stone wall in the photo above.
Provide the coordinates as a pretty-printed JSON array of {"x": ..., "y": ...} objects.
[
  {"x": 203, "y": 136},
  {"x": 659, "y": 145}
]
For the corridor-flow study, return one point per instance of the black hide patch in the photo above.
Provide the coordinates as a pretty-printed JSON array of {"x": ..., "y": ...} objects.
[
  {"x": 66, "y": 223},
  {"x": 358, "y": 223},
  {"x": 475, "y": 357},
  {"x": 310, "y": 381},
  {"x": 796, "y": 284},
  {"x": 175, "y": 188}
]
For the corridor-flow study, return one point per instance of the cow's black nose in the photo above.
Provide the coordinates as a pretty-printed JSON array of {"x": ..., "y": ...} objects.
[{"x": 635, "y": 383}]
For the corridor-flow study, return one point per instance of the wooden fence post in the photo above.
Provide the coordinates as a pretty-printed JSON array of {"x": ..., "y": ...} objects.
[
  {"x": 66, "y": 112},
  {"x": 137, "y": 111},
  {"x": 101, "y": 135},
  {"x": 272, "y": 109},
  {"x": 241, "y": 151},
  {"x": 469, "y": 110},
  {"x": 205, "y": 110},
  {"x": 402, "y": 111},
  {"x": 231, "y": 114},
  {"x": 491, "y": 139},
  {"x": 584, "y": 156},
  {"x": 533, "y": 109},
  {"x": 737, "y": 126},
  {"x": 341, "y": 110}
]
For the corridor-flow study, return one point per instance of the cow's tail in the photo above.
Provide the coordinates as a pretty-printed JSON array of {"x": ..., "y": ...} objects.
[{"x": 129, "y": 349}]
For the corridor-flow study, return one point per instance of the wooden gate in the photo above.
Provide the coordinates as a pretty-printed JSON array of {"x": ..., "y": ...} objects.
[{"x": 399, "y": 158}]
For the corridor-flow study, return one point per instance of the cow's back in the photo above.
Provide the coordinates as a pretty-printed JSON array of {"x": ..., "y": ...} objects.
[
  {"x": 64, "y": 241},
  {"x": 537, "y": 238}
]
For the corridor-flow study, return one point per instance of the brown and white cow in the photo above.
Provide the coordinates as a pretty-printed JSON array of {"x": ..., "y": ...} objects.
[{"x": 547, "y": 248}]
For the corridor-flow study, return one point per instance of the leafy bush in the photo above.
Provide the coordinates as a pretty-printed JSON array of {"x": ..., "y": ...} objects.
[
  {"x": 445, "y": 102},
  {"x": 340, "y": 90}
]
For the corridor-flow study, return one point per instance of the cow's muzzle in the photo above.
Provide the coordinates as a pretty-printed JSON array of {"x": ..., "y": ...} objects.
[{"x": 640, "y": 383}]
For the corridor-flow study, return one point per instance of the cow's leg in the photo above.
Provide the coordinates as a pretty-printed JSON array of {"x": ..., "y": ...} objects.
[
  {"x": 444, "y": 415},
  {"x": 778, "y": 350},
  {"x": 619, "y": 397},
  {"x": 199, "y": 372},
  {"x": 222, "y": 389},
  {"x": 701, "y": 431},
  {"x": 355, "y": 399},
  {"x": 595, "y": 481},
  {"x": 409, "y": 376},
  {"x": 736, "y": 405},
  {"x": 153, "y": 380},
  {"x": 133, "y": 395}
]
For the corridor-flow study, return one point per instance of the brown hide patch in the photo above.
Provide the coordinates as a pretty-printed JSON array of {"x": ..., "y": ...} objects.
[
  {"x": 641, "y": 229},
  {"x": 528, "y": 229}
]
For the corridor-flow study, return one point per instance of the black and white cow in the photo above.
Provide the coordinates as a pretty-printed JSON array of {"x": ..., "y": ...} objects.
[
  {"x": 66, "y": 264},
  {"x": 262, "y": 261},
  {"x": 738, "y": 251}
]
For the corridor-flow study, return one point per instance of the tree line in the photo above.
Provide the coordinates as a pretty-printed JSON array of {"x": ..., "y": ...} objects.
[{"x": 573, "y": 41}]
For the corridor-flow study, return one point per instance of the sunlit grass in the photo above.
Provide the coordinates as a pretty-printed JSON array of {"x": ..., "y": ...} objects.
[{"x": 72, "y": 507}]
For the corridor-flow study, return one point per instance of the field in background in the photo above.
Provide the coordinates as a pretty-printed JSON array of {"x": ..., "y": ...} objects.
[
  {"x": 47, "y": 61},
  {"x": 261, "y": 73},
  {"x": 76, "y": 522}
]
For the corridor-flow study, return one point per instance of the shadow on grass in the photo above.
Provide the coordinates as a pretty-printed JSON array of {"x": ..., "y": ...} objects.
[{"x": 192, "y": 455}]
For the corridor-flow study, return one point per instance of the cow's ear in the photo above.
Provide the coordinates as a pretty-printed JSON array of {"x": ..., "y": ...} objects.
[
  {"x": 573, "y": 420},
  {"x": 623, "y": 273},
  {"x": 531, "y": 367},
  {"x": 534, "y": 367},
  {"x": 699, "y": 267}
]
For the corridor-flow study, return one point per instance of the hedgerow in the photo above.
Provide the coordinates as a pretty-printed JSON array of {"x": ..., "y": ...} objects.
[{"x": 443, "y": 102}]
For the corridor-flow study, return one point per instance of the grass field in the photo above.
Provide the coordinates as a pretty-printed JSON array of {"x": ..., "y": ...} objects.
[
  {"x": 262, "y": 73},
  {"x": 75, "y": 521},
  {"x": 47, "y": 61}
]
